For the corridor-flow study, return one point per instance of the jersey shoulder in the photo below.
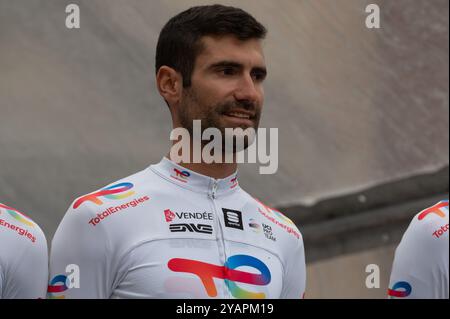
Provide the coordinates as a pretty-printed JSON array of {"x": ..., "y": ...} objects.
[
  {"x": 19, "y": 227},
  {"x": 119, "y": 196},
  {"x": 278, "y": 221},
  {"x": 116, "y": 213},
  {"x": 431, "y": 224}
]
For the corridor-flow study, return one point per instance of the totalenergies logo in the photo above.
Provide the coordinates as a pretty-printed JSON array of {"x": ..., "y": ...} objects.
[
  {"x": 118, "y": 191},
  {"x": 62, "y": 282},
  {"x": 279, "y": 215},
  {"x": 57, "y": 285},
  {"x": 436, "y": 209},
  {"x": 182, "y": 176},
  {"x": 234, "y": 182},
  {"x": 20, "y": 217},
  {"x": 207, "y": 272},
  {"x": 400, "y": 289}
]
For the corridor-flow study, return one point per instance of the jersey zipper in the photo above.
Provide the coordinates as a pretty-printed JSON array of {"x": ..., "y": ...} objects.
[{"x": 220, "y": 236}]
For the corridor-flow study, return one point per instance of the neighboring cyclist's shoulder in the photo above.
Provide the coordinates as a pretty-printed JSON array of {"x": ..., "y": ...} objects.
[
  {"x": 427, "y": 233},
  {"x": 19, "y": 227},
  {"x": 431, "y": 223}
]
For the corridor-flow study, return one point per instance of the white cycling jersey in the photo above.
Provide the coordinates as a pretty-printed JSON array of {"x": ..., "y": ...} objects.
[
  {"x": 23, "y": 256},
  {"x": 420, "y": 268},
  {"x": 168, "y": 232}
]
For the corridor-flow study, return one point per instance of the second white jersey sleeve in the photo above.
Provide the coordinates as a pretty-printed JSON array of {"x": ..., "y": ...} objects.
[{"x": 421, "y": 264}]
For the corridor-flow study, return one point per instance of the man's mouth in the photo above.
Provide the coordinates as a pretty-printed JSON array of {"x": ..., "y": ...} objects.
[
  {"x": 239, "y": 115},
  {"x": 246, "y": 115}
]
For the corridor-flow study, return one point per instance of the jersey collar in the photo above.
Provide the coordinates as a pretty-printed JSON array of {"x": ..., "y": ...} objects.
[{"x": 189, "y": 179}]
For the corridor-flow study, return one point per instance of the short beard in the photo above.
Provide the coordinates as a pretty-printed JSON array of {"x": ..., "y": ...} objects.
[{"x": 212, "y": 118}]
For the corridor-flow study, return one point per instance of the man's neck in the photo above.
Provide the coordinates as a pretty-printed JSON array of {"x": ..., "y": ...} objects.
[{"x": 214, "y": 170}]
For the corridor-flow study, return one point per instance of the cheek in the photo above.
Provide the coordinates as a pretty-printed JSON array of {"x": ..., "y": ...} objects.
[{"x": 216, "y": 90}]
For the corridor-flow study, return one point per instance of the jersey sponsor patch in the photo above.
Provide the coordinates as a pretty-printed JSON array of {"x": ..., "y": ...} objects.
[
  {"x": 18, "y": 230},
  {"x": 400, "y": 289},
  {"x": 117, "y": 191},
  {"x": 441, "y": 231},
  {"x": 208, "y": 272},
  {"x": 233, "y": 218},
  {"x": 116, "y": 209},
  {"x": 20, "y": 217},
  {"x": 435, "y": 209},
  {"x": 170, "y": 215},
  {"x": 193, "y": 228},
  {"x": 180, "y": 175},
  {"x": 288, "y": 229}
]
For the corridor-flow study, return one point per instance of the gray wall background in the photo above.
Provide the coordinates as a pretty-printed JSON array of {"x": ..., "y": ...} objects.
[{"x": 355, "y": 107}]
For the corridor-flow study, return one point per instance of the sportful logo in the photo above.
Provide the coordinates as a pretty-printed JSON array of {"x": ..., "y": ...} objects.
[
  {"x": 400, "y": 289},
  {"x": 436, "y": 209},
  {"x": 20, "y": 217},
  {"x": 233, "y": 218},
  {"x": 181, "y": 176},
  {"x": 207, "y": 272},
  {"x": 118, "y": 191}
]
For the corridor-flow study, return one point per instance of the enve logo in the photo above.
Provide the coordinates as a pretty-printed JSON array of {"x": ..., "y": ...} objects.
[
  {"x": 400, "y": 289},
  {"x": 20, "y": 217},
  {"x": 118, "y": 191},
  {"x": 207, "y": 272}
]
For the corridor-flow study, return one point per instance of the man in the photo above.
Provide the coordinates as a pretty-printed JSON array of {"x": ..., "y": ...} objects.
[
  {"x": 187, "y": 230},
  {"x": 420, "y": 267},
  {"x": 23, "y": 256}
]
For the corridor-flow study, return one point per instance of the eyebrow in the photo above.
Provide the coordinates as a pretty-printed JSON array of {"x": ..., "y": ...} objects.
[{"x": 237, "y": 65}]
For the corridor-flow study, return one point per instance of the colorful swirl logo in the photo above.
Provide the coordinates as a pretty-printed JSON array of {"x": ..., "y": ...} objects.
[
  {"x": 57, "y": 285},
  {"x": 20, "y": 217},
  {"x": 182, "y": 175},
  {"x": 400, "y": 289},
  {"x": 118, "y": 191},
  {"x": 207, "y": 272},
  {"x": 435, "y": 209}
]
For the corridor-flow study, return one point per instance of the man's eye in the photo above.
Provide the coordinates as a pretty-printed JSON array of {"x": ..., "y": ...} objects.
[
  {"x": 228, "y": 71},
  {"x": 259, "y": 76}
]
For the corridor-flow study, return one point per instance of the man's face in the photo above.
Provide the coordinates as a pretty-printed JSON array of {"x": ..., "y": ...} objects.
[{"x": 226, "y": 90}]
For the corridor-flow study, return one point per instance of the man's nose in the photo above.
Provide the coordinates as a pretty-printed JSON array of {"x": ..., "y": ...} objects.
[{"x": 247, "y": 90}]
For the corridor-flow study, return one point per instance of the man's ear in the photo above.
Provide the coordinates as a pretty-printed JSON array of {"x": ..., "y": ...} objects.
[{"x": 170, "y": 84}]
